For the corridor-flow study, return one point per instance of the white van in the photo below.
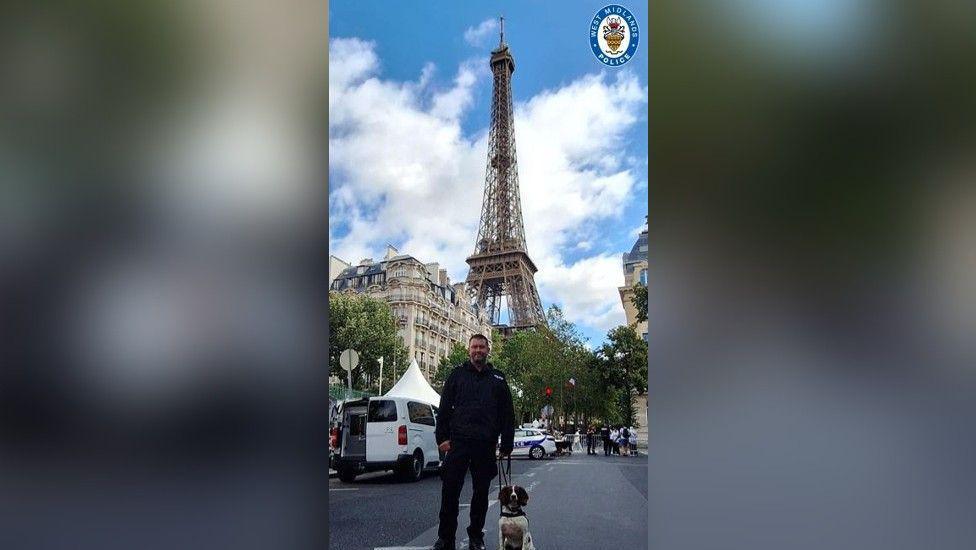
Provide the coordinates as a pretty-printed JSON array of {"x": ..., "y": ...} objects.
[{"x": 384, "y": 433}]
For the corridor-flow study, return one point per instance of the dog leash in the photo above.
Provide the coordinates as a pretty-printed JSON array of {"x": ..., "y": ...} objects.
[{"x": 504, "y": 475}]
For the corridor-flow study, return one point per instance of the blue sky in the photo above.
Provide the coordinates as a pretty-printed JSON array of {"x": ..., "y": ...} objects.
[{"x": 409, "y": 110}]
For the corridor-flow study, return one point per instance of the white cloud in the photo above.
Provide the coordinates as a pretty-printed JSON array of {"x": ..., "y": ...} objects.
[
  {"x": 452, "y": 103},
  {"x": 587, "y": 290},
  {"x": 403, "y": 172},
  {"x": 476, "y": 35}
]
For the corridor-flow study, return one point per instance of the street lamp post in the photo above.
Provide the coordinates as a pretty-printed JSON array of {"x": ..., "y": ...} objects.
[
  {"x": 381, "y": 375},
  {"x": 549, "y": 408}
]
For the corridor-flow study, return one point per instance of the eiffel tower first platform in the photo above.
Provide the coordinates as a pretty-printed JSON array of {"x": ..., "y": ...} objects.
[{"x": 500, "y": 266}]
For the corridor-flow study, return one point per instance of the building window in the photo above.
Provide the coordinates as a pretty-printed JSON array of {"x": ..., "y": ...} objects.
[{"x": 643, "y": 277}]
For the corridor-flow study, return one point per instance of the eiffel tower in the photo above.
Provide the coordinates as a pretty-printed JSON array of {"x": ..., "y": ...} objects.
[{"x": 500, "y": 266}]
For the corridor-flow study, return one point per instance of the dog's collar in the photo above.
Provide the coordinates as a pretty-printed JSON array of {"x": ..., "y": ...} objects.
[{"x": 513, "y": 514}]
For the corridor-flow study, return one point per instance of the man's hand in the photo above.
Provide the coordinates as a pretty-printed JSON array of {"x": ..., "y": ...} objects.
[
  {"x": 445, "y": 446},
  {"x": 504, "y": 453}
]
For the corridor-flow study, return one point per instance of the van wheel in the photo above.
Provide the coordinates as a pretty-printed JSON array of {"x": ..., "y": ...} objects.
[
  {"x": 537, "y": 452},
  {"x": 347, "y": 474},
  {"x": 413, "y": 470}
]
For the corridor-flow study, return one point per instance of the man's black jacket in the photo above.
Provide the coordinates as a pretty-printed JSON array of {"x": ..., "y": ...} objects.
[{"x": 476, "y": 405}]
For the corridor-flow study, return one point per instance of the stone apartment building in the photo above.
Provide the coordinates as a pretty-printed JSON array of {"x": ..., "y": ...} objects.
[
  {"x": 432, "y": 312},
  {"x": 635, "y": 272},
  {"x": 336, "y": 267}
]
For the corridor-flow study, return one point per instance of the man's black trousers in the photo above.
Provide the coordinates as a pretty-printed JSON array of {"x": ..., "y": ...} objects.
[
  {"x": 478, "y": 457},
  {"x": 606, "y": 447},
  {"x": 589, "y": 444}
]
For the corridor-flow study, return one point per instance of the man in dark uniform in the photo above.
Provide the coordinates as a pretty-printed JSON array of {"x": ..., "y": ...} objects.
[
  {"x": 475, "y": 409},
  {"x": 605, "y": 433}
]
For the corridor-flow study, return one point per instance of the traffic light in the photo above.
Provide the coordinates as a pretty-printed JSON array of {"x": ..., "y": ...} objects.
[{"x": 548, "y": 391}]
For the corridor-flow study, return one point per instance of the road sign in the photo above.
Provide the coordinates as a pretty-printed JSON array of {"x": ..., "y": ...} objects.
[{"x": 349, "y": 359}]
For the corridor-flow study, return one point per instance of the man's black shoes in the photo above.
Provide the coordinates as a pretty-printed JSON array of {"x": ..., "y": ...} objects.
[
  {"x": 442, "y": 544},
  {"x": 476, "y": 544}
]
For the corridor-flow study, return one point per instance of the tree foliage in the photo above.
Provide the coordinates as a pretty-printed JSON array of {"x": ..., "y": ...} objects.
[
  {"x": 552, "y": 356},
  {"x": 367, "y": 325},
  {"x": 625, "y": 367},
  {"x": 549, "y": 356},
  {"x": 457, "y": 355},
  {"x": 639, "y": 299}
]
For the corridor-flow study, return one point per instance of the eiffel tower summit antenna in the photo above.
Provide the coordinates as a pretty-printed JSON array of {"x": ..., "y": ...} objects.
[
  {"x": 501, "y": 40},
  {"x": 500, "y": 267}
]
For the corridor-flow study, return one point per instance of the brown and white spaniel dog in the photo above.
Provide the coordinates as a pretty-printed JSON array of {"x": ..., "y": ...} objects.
[{"x": 513, "y": 526}]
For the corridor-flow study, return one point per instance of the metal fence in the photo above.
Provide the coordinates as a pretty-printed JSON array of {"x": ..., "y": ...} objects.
[{"x": 342, "y": 393}]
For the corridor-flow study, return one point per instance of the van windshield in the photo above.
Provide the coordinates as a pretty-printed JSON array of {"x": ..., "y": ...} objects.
[{"x": 382, "y": 410}]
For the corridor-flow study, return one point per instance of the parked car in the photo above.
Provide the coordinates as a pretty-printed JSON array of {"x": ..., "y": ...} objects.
[
  {"x": 534, "y": 443},
  {"x": 384, "y": 433}
]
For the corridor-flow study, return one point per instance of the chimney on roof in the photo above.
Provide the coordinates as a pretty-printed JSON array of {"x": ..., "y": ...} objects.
[
  {"x": 444, "y": 281},
  {"x": 366, "y": 261},
  {"x": 391, "y": 251}
]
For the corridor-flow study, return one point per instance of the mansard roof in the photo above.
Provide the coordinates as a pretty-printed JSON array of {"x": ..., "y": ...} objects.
[{"x": 639, "y": 251}]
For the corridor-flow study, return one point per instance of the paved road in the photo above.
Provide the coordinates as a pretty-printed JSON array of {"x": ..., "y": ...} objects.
[{"x": 575, "y": 502}]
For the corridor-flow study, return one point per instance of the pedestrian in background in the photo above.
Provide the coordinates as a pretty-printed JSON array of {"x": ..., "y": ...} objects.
[
  {"x": 615, "y": 441},
  {"x": 624, "y": 441},
  {"x": 590, "y": 433},
  {"x": 605, "y": 435},
  {"x": 475, "y": 410}
]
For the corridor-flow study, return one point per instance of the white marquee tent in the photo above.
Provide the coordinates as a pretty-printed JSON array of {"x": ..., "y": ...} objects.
[{"x": 413, "y": 385}]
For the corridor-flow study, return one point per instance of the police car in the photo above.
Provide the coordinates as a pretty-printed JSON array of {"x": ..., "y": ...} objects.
[{"x": 533, "y": 442}]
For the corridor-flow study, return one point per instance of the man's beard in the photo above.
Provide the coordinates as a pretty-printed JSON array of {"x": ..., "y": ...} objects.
[{"x": 480, "y": 361}]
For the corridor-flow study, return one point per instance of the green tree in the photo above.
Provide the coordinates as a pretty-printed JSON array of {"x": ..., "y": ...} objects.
[
  {"x": 625, "y": 358},
  {"x": 457, "y": 355},
  {"x": 546, "y": 356},
  {"x": 590, "y": 391},
  {"x": 639, "y": 299},
  {"x": 572, "y": 360},
  {"x": 529, "y": 359},
  {"x": 366, "y": 325}
]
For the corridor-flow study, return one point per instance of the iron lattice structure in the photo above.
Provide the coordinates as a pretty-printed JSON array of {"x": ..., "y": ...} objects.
[{"x": 500, "y": 266}]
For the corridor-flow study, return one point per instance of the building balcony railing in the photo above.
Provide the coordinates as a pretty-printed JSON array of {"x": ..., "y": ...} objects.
[{"x": 406, "y": 296}]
